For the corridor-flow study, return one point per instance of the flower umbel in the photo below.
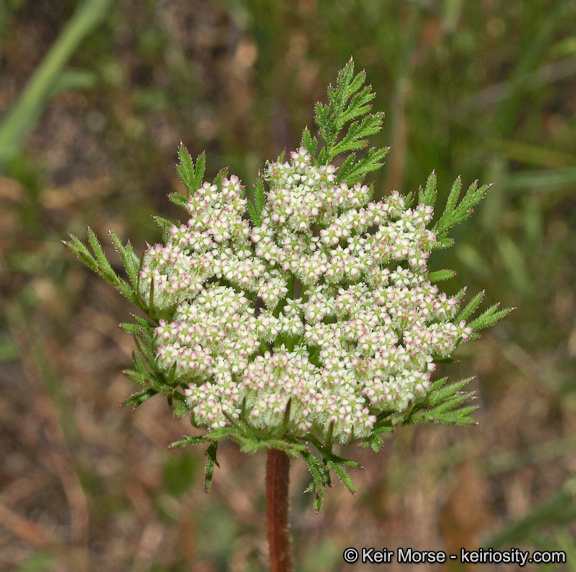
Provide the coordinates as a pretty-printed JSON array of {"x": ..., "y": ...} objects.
[{"x": 320, "y": 322}]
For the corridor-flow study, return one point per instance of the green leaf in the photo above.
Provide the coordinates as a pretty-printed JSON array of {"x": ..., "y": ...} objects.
[
  {"x": 220, "y": 176},
  {"x": 321, "y": 479},
  {"x": 441, "y": 275},
  {"x": 322, "y": 111},
  {"x": 130, "y": 328},
  {"x": 99, "y": 264},
  {"x": 453, "y": 197},
  {"x": 129, "y": 259},
  {"x": 429, "y": 195},
  {"x": 136, "y": 376},
  {"x": 180, "y": 409},
  {"x": 127, "y": 291},
  {"x": 191, "y": 177},
  {"x": 147, "y": 326},
  {"x": 254, "y": 215},
  {"x": 286, "y": 419},
  {"x": 471, "y": 307},
  {"x": 443, "y": 242},
  {"x": 348, "y": 104},
  {"x": 343, "y": 461},
  {"x": 319, "y": 499},
  {"x": 442, "y": 405},
  {"x": 178, "y": 199},
  {"x": 372, "y": 441},
  {"x": 210, "y": 462},
  {"x": 440, "y": 393},
  {"x": 317, "y": 483},
  {"x": 164, "y": 224},
  {"x": 82, "y": 253},
  {"x": 259, "y": 195},
  {"x": 454, "y": 214},
  {"x": 139, "y": 398},
  {"x": 185, "y": 169},
  {"x": 446, "y": 413},
  {"x": 346, "y": 167},
  {"x": 309, "y": 142},
  {"x": 140, "y": 363},
  {"x": 104, "y": 267},
  {"x": 449, "y": 404},
  {"x": 359, "y": 104},
  {"x": 371, "y": 161},
  {"x": 200, "y": 170},
  {"x": 489, "y": 317},
  {"x": 146, "y": 349},
  {"x": 459, "y": 416},
  {"x": 436, "y": 385},
  {"x": 186, "y": 441},
  {"x": 343, "y": 476},
  {"x": 382, "y": 429}
]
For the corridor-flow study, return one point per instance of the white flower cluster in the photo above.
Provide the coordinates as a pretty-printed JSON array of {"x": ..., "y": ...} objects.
[{"x": 361, "y": 337}]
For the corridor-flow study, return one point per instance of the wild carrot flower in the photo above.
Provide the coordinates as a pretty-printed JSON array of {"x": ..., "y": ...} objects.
[{"x": 319, "y": 321}]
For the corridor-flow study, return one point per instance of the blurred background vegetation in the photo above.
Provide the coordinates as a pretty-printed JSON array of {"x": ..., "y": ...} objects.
[{"x": 95, "y": 97}]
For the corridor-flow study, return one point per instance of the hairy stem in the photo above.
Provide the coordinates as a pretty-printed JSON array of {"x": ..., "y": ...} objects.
[{"x": 277, "y": 481}]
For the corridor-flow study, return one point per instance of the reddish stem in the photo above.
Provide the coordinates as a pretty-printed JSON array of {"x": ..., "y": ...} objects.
[{"x": 277, "y": 481}]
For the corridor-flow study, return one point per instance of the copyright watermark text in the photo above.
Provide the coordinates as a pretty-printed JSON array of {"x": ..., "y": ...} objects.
[{"x": 481, "y": 556}]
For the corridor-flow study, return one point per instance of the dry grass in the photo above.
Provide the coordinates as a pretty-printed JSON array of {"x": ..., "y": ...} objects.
[{"x": 86, "y": 486}]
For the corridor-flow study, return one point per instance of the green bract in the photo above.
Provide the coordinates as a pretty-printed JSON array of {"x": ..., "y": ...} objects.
[{"x": 319, "y": 323}]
